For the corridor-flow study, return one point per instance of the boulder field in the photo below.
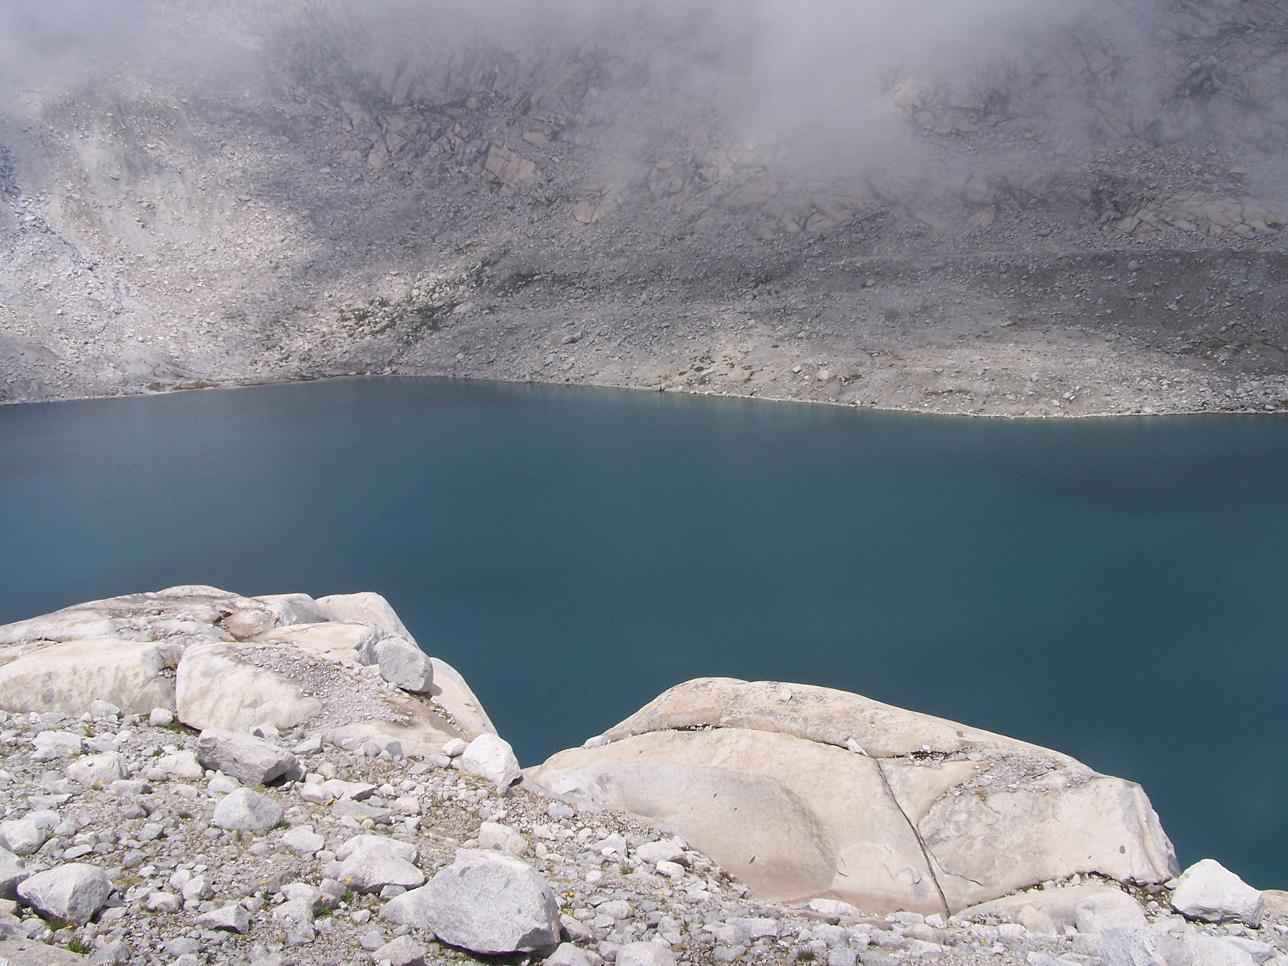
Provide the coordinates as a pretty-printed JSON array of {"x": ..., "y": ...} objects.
[{"x": 192, "y": 776}]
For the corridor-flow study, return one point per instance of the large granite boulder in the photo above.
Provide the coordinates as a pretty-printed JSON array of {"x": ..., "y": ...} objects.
[
  {"x": 806, "y": 792},
  {"x": 223, "y": 661}
]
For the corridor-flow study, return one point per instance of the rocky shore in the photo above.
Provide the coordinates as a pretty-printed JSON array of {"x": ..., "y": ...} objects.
[{"x": 192, "y": 776}]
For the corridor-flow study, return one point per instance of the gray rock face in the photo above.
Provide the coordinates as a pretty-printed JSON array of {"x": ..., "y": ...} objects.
[
  {"x": 1212, "y": 893},
  {"x": 401, "y": 663},
  {"x": 70, "y": 893},
  {"x": 403, "y": 951},
  {"x": 829, "y": 794},
  {"x": 1089, "y": 908},
  {"x": 251, "y": 760},
  {"x": 245, "y": 810},
  {"x": 485, "y": 902}
]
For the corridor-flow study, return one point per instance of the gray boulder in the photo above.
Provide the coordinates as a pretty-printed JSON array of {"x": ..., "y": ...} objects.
[
  {"x": 488, "y": 903},
  {"x": 401, "y": 663},
  {"x": 645, "y": 954},
  {"x": 247, "y": 811},
  {"x": 371, "y": 862},
  {"x": 70, "y": 893},
  {"x": 251, "y": 760}
]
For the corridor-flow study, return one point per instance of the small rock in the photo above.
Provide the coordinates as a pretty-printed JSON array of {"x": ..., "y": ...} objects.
[
  {"x": 22, "y": 836},
  {"x": 645, "y": 954},
  {"x": 226, "y": 918},
  {"x": 160, "y": 717},
  {"x": 50, "y": 745},
  {"x": 403, "y": 951},
  {"x": 245, "y": 810},
  {"x": 493, "y": 835},
  {"x": 302, "y": 840},
  {"x": 1212, "y": 893},
  {"x": 97, "y": 769}
]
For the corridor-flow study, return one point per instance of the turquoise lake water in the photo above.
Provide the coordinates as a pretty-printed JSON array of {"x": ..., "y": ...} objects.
[{"x": 1115, "y": 589}]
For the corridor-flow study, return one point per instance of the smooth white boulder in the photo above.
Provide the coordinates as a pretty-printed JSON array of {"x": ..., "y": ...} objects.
[
  {"x": 182, "y": 765},
  {"x": 363, "y": 608},
  {"x": 251, "y": 760},
  {"x": 133, "y": 676},
  {"x": 70, "y": 893},
  {"x": 245, "y": 810},
  {"x": 833, "y": 795},
  {"x": 216, "y": 686},
  {"x": 485, "y": 902},
  {"x": 491, "y": 757},
  {"x": 22, "y": 836},
  {"x": 1210, "y": 892}
]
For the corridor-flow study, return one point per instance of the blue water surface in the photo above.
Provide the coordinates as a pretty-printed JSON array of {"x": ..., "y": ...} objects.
[{"x": 1116, "y": 589}]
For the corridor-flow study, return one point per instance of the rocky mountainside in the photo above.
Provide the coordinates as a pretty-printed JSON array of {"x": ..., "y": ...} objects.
[
  {"x": 191, "y": 776},
  {"x": 1013, "y": 208}
]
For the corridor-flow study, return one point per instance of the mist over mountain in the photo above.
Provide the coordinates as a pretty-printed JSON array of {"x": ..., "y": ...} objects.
[{"x": 986, "y": 206}]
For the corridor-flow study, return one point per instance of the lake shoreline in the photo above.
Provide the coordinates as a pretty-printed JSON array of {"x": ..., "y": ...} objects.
[{"x": 696, "y": 393}]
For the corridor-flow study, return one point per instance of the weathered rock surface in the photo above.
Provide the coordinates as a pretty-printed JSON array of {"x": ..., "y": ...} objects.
[
  {"x": 69, "y": 893},
  {"x": 218, "y": 660},
  {"x": 1209, "y": 891},
  {"x": 251, "y": 760},
  {"x": 808, "y": 792},
  {"x": 1088, "y": 908},
  {"x": 488, "y": 903}
]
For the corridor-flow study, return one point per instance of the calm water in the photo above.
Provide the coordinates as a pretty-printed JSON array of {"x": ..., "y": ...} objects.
[{"x": 1114, "y": 589}]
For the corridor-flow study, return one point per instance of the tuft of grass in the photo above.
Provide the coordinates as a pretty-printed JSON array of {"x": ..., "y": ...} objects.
[{"x": 79, "y": 946}]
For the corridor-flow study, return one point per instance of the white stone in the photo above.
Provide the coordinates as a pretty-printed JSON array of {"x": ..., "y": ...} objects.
[
  {"x": 494, "y": 835},
  {"x": 245, "y": 810},
  {"x": 22, "y": 836},
  {"x": 491, "y": 758},
  {"x": 104, "y": 709},
  {"x": 160, "y": 717},
  {"x": 567, "y": 955},
  {"x": 1090, "y": 907},
  {"x": 302, "y": 840},
  {"x": 69, "y": 676},
  {"x": 645, "y": 954},
  {"x": 251, "y": 760},
  {"x": 230, "y": 917},
  {"x": 371, "y": 862},
  {"x": 70, "y": 893},
  {"x": 100, "y": 769},
  {"x": 51, "y": 745},
  {"x": 402, "y": 951},
  {"x": 485, "y": 902},
  {"x": 182, "y": 765},
  {"x": 1212, "y": 893},
  {"x": 455, "y": 748}
]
